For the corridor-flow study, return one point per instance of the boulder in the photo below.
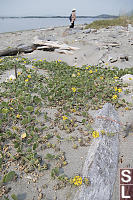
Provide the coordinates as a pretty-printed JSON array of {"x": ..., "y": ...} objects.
[{"x": 102, "y": 159}]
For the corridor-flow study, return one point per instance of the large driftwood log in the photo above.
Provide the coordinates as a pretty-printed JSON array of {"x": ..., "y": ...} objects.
[
  {"x": 39, "y": 45},
  {"x": 19, "y": 49},
  {"x": 102, "y": 159},
  {"x": 53, "y": 44}
]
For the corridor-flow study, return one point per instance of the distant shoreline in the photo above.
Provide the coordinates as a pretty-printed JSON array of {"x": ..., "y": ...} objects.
[{"x": 99, "y": 16}]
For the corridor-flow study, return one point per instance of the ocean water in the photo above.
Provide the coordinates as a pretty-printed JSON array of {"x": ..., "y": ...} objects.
[{"x": 19, "y": 24}]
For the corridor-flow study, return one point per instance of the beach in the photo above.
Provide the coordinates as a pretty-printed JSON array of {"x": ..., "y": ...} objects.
[{"x": 112, "y": 46}]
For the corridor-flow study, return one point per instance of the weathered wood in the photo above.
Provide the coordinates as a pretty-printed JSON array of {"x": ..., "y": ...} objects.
[
  {"x": 39, "y": 45},
  {"x": 102, "y": 159},
  {"x": 19, "y": 49},
  {"x": 53, "y": 44}
]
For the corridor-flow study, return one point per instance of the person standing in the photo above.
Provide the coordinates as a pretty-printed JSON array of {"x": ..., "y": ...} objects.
[{"x": 72, "y": 18}]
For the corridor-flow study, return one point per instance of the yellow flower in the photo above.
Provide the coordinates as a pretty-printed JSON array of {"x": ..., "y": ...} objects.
[
  {"x": 11, "y": 108},
  {"x": 23, "y": 135},
  {"x": 115, "y": 88},
  {"x": 95, "y": 134},
  {"x": 90, "y": 71},
  {"x": 126, "y": 108},
  {"x": 87, "y": 68},
  {"x": 114, "y": 96},
  {"x": 34, "y": 59},
  {"x": 19, "y": 73},
  {"x": 103, "y": 132},
  {"x": 77, "y": 180},
  {"x": 59, "y": 60},
  {"x": 18, "y": 116},
  {"x": 40, "y": 60},
  {"x": 95, "y": 70},
  {"x": 33, "y": 67},
  {"x": 78, "y": 73},
  {"x": 29, "y": 76},
  {"x": 130, "y": 79},
  {"x": 73, "y": 75},
  {"x": 116, "y": 77},
  {"x": 24, "y": 61},
  {"x": 101, "y": 77},
  {"x": 64, "y": 118},
  {"x": 73, "y": 89},
  {"x": 71, "y": 181},
  {"x": 119, "y": 90},
  {"x": 26, "y": 80},
  {"x": 73, "y": 110}
]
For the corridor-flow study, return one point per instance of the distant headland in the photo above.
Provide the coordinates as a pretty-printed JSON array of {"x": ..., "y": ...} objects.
[{"x": 98, "y": 16}]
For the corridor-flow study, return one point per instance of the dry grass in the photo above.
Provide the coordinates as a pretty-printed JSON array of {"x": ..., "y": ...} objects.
[{"x": 120, "y": 21}]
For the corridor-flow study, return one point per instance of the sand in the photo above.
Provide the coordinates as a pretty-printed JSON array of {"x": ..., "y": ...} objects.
[{"x": 106, "y": 47}]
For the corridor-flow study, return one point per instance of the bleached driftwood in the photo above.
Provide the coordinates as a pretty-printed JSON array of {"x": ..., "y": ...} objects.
[
  {"x": 102, "y": 159},
  {"x": 53, "y": 44},
  {"x": 39, "y": 45}
]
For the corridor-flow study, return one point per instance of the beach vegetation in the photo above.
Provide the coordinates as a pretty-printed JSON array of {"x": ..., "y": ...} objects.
[
  {"x": 119, "y": 21},
  {"x": 37, "y": 115}
]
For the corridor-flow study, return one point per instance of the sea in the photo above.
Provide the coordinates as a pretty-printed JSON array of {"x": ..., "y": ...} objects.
[{"x": 20, "y": 24}]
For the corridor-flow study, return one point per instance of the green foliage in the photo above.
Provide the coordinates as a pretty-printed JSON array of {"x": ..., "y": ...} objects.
[
  {"x": 120, "y": 21},
  {"x": 54, "y": 172},
  {"x": 9, "y": 177},
  {"x": 14, "y": 197},
  {"x": 29, "y": 108}
]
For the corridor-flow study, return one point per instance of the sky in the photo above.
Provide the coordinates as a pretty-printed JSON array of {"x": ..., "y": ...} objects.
[{"x": 64, "y": 7}]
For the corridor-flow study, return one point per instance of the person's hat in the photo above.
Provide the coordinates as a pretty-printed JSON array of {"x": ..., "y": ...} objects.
[{"x": 73, "y": 9}]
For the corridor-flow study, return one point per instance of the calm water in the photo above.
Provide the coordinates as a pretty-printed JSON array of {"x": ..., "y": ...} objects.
[{"x": 18, "y": 24}]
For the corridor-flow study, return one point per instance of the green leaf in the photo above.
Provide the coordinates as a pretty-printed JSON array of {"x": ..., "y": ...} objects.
[
  {"x": 5, "y": 110},
  {"x": 14, "y": 197},
  {"x": 37, "y": 100},
  {"x": 29, "y": 108},
  {"x": 1, "y": 162},
  {"x": 9, "y": 177},
  {"x": 50, "y": 156},
  {"x": 35, "y": 146}
]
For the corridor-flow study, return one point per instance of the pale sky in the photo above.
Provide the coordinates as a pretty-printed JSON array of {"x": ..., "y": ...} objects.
[{"x": 64, "y": 7}]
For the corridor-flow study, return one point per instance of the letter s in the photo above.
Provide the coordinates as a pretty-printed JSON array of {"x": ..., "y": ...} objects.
[{"x": 126, "y": 175}]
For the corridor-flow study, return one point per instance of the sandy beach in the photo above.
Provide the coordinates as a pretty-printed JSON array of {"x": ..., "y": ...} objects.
[{"x": 112, "y": 46}]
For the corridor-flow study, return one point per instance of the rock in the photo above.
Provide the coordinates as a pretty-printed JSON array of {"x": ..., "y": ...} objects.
[
  {"x": 127, "y": 78},
  {"x": 130, "y": 28},
  {"x": 102, "y": 159},
  {"x": 112, "y": 60},
  {"x": 124, "y": 58},
  {"x": 87, "y": 31}
]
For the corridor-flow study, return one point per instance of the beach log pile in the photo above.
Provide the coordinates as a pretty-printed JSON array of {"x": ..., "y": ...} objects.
[
  {"x": 102, "y": 159},
  {"x": 39, "y": 44},
  {"x": 53, "y": 45}
]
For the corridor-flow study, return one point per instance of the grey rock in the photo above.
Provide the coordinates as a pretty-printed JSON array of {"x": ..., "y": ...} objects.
[
  {"x": 87, "y": 31},
  {"x": 102, "y": 159},
  {"x": 130, "y": 28}
]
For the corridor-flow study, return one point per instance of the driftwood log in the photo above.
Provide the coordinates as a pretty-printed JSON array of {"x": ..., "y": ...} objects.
[
  {"x": 17, "y": 50},
  {"x": 102, "y": 158},
  {"x": 39, "y": 45}
]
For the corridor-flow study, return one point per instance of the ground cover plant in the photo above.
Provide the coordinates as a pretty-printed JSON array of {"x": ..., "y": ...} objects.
[
  {"x": 30, "y": 137},
  {"x": 120, "y": 21}
]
